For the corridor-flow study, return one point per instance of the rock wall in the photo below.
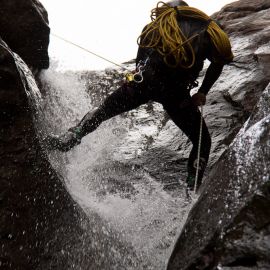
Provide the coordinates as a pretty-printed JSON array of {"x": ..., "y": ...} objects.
[
  {"x": 36, "y": 211},
  {"x": 229, "y": 226},
  {"x": 41, "y": 227},
  {"x": 24, "y": 27}
]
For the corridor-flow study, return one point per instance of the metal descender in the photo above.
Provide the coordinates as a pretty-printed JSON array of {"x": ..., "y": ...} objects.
[{"x": 137, "y": 76}]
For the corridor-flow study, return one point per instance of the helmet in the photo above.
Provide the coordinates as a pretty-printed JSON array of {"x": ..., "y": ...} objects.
[{"x": 175, "y": 3}]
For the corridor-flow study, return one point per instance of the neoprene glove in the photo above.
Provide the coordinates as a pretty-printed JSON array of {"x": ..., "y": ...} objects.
[
  {"x": 199, "y": 99},
  {"x": 65, "y": 141}
]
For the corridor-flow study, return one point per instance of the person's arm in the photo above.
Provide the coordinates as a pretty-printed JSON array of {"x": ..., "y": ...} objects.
[
  {"x": 218, "y": 58},
  {"x": 212, "y": 74}
]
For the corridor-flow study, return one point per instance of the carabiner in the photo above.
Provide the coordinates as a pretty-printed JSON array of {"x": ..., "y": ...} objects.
[
  {"x": 138, "y": 77},
  {"x": 129, "y": 77}
]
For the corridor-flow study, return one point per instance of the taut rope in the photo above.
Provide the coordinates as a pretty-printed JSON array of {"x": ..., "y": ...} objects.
[{"x": 199, "y": 151}]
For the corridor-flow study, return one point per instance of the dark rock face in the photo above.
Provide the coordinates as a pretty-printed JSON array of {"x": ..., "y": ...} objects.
[
  {"x": 41, "y": 227},
  {"x": 228, "y": 228},
  {"x": 229, "y": 225},
  {"x": 30, "y": 190},
  {"x": 24, "y": 27}
]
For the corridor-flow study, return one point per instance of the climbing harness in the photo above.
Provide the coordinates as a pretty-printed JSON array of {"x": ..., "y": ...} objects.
[
  {"x": 199, "y": 152},
  {"x": 137, "y": 76}
]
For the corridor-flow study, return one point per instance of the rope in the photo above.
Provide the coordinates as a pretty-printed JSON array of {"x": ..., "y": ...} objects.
[
  {"x": 84, "y": 49},
  {"x": 199, "y": 152},
  {"x": 165, "y": 35}
]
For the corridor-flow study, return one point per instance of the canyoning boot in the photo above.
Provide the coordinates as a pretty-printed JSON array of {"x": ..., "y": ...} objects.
[
  {"x": 192, "y": 173},
  {"x": 191, "y": 182},
  {"x": 65, "y": 141}
]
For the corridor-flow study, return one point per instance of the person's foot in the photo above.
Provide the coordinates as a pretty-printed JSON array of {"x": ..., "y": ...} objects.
[
  {"x": 64, "y": 142},
  {"x": 191, "y": 182}
]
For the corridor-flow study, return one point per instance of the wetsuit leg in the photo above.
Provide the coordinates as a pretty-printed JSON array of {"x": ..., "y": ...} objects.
[
  {"x": 129, "y": 96},
  {"x": 187, "y": 118}
]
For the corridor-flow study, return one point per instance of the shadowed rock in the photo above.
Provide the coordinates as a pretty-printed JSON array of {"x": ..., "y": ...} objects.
[
  {"x": 229, "y": 226},
  {"x": 41, "y": 227},
  {"x": 24, "y": 27}
]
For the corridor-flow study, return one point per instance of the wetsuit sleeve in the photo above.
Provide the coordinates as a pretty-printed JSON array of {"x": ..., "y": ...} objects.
[
  {"x": 212, "y": 74},
  {"x": 215, "y": 68}
]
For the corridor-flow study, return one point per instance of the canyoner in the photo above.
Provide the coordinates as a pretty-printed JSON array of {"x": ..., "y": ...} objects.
[{"x": 172, "y": 49}]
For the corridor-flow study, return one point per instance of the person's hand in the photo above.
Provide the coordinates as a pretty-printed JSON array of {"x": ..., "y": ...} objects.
[
  {"x": 199, "y": 99},
  {"x": 63, "y": 142}
]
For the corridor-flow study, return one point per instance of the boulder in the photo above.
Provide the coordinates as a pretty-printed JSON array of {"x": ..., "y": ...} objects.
[
  {"x": 228, "y": 228},
  {"x": 229, "y": 225},
  {"x": 41, "y": 227},
  {"x": 24, "y": 27}
]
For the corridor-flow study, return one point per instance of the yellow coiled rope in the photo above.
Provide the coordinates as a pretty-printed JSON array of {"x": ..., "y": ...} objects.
[{"x": 165, "y": 35}]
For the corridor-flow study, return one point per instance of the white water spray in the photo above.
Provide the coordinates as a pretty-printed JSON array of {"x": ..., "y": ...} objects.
[{"x": 102, "y": 173}]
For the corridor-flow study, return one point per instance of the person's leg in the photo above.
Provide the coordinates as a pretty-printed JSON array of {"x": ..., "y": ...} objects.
[
  {"x": 125, "y": 98},
  {"x": 187, "y": 117}
]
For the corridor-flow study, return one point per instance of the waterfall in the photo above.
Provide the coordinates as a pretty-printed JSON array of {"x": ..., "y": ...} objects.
[
  {"x": 119, "y": 171},
  {"x": 27, "y": 79},
  {"x": 29, "y": 83}
]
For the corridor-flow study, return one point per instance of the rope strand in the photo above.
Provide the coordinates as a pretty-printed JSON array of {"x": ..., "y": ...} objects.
[
  {"x": 199, "y": 152},
  {"x": 84, "y": 49}
]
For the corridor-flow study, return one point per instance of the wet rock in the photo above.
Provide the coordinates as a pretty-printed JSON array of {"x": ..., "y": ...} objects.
[
  {"x": 41, "y": 227},
  {"x": 24, "y": 27},
  {"x": 240, "y": 10},
  {"x": 11, "y": 101},
  {"x": 243, "y": 81},
  {"x": 263, "y": 57},
  {"x": 229, "y": 225}
]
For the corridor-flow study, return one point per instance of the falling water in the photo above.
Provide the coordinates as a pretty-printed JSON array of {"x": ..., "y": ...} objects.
[
  {"x": 27, "y": 79},
  {"x": 120, "y": 171}
]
